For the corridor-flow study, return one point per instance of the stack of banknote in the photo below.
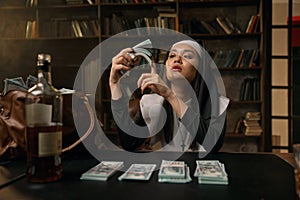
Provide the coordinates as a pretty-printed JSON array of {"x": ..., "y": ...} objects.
[
  {"x": 174, "y": 172},
  {"x": 140, "y": 172},
  {"x": 211, "y": 172},
  {"x": 18, "y": 83},
  {"x": 102, "y": 171}
]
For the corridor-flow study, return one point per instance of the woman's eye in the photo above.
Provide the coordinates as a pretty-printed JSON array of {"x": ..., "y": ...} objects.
[
  {"x": 172, "y": 55},
  {"x": 188, "y": 56}
]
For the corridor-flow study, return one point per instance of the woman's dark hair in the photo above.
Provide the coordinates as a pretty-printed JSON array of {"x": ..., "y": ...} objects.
[{"x": 169, "y": 125}]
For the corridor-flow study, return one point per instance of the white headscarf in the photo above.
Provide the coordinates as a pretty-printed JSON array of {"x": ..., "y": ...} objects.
[{"x": 193, "y": 44}]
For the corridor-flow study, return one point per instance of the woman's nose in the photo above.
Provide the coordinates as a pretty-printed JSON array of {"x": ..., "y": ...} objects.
[{"x": 177, "y": 58}]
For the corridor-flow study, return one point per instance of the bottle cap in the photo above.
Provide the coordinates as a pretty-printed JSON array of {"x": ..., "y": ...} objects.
[
  {"x": 44, "y": 57},
  {"x": 43, "y": 61}
]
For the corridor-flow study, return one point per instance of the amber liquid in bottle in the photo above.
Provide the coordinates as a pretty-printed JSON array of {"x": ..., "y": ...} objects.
[
  {"x": 43, "y": 108},
  {"x": 44, "y": 165}
]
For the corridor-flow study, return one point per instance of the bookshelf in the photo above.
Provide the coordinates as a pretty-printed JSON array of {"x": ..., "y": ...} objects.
[
  {"x": 70, "y": 29},
  {"x": 240, "y": 55}
]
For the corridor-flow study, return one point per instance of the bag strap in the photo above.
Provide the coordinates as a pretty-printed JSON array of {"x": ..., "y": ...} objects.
[{"x": 91, "y": 126}]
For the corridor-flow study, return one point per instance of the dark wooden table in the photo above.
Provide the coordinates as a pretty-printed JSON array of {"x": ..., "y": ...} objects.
[{"x": 251, "y": 176}]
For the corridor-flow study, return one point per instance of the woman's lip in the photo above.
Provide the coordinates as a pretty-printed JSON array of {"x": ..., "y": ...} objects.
[{"x": 177, "y": 68}]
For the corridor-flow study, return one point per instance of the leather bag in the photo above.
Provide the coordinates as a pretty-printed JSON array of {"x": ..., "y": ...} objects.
[
  {"x": 12, "y": 121},
  {"x": 13, "y": 125}
]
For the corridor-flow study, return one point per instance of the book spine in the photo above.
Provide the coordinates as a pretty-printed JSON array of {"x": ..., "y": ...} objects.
[{"x": 223, "y": 25}]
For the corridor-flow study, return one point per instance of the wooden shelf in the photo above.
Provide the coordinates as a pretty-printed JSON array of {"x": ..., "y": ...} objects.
[
  {"x": 241, "y": 135},
  {"x": 245, "y": 102},
  {"x": 225, "y": 36},
  {"x": 238, "y": 68},
  {"x": 147, "y": 4},
  {"x": 221, "y": 3}
]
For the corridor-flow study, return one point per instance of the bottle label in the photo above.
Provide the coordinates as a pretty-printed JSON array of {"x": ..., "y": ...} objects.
[
  {"x": 50, "y": 143},
  {"x": 37, "y": 113}
]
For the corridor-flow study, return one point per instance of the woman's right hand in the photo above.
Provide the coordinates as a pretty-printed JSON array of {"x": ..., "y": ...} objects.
[{"x": 120, "y": 63}]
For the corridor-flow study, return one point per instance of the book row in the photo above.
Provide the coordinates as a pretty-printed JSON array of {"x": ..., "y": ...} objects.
[
  {"x": 32, "y": 3},
  {"x": 236, "y": 58},
  {"x": 118, "y": 23},
  {"x": 135, "y": 1},
  {"x": 18, "y": 29},
  {"x": 70, "y": 28},
  {"x": 91, "y": 2},
  {"x": 250, "y": 89},
  {"x": 52, "y": 28},
  {"x": 220, "y": 25}
]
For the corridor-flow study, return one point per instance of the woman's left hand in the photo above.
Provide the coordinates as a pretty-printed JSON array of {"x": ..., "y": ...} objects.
[{"x": 155, "y": 83}]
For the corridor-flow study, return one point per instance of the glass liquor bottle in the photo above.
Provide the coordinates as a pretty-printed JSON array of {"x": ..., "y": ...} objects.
[{"x": 43, "y": 108}]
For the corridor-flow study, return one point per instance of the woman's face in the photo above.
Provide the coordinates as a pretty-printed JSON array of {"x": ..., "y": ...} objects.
[{"x": 181, "y": 61}]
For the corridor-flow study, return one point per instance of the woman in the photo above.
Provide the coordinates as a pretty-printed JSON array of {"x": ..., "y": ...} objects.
[{"x": 184, "y": 95}]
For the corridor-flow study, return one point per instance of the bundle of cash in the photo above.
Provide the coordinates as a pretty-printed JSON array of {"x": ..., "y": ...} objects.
[
  {"x": 142, "y": 47},
  {"x": 174, "y": 172},
  {"x": 141, "y": 51},
  {"x": 102, "y": 171},
  {"x": 18, "y": 83},
  {"x": 138, "y": 172},
  {"x": 211, "y": 172}
]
